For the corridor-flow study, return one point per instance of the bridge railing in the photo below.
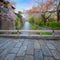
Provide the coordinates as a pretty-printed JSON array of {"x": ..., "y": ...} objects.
[
  {"x": 29, "y": 31},
  {"x": 30, "y": 34}
]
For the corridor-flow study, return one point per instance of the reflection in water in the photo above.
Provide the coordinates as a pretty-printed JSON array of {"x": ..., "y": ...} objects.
[{"x": 26, "y": 27}]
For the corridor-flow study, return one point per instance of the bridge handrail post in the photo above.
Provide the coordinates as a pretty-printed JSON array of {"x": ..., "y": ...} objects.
[
  {"x": 17, "y": 31},
  {"x": 53, "y": 32}
]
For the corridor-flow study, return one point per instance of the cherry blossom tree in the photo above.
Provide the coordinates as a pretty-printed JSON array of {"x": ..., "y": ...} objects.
[{"x": 43, "y": 6}]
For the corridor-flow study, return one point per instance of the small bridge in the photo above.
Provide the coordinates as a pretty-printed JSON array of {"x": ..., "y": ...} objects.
[{"x": 30, "y": 34}]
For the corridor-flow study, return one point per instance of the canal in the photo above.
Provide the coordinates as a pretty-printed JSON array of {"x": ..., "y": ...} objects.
[{"x": 26, "y": 26}]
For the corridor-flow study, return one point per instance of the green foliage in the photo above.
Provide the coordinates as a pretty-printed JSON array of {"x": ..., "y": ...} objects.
[
  {"x": 53, "y": 25},
  {"x": 19, "y": 14},
  {"x": 14, "y": 32},
  {"x": 38, "y": 21},
  {"x": 31, "y": 19},
  {"x": 41, "y": 24},
  {"x": 46, "y": 33},
  {"x": 41, "y": 18},
  {"x": 35, "y": 27},
  {"x": 18, "y": 23}
]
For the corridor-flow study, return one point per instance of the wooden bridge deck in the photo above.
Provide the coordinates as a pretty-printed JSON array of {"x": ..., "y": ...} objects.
[{"x": 29, "y": 49}]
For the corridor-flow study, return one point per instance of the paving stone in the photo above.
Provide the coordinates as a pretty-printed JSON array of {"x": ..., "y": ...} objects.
[
  {"x": 6, "y": 51},
  {"x": 2, "y": 57},
  {"x": 14, "y": 50},
  {"x": 3, "y": 54},
  {"x": 1, "y": 45},
  {"x": 31, "y": 42},
  {"x": 10, "y": 57},
  {"x": 41, "y": 42},
  {"x": 57, "y": 46},
  {"x": 19, "y": 58},
  {"x": 48, "y": 58},
  {"x": 50, "y": 46},
  {"x": 6, "y": 45},
  {"x": 56, "y": 54},
  {"x": 23, "y": 49},
  {"x": 11, "y": 45},
  {"x": 18, "y": 45},
  {"x": 58, "y": 49},
  {"x": 38, "y": 55},
  {"x": 36, "y": 44},
  {"x": 46, "y": 51},
  {"x": 1, "y": 50},
  {"x": 28, "y": 57},
  {"x": 30, "y": 48},
  {"x": 1, "y": 41}
]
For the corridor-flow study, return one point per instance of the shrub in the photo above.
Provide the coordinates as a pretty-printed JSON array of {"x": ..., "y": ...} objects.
[
  {"x": 41, "y": 24},
  {"x": 31, "y": 19},
  {"x": 53, "y": 25},
  {"x": 46, "y": 33},
  {"x": 18, "y": 23},
  {"x": 14, "y": 32},
  {"x": 35, "y": 27},
  {"x": 1, "y": 32}
]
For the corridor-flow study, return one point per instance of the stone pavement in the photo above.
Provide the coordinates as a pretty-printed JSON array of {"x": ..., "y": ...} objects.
[{"x": 29, "y": 49}]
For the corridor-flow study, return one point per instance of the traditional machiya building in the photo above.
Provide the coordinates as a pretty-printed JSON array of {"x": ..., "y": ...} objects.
[{"x": 7, "y": 15}]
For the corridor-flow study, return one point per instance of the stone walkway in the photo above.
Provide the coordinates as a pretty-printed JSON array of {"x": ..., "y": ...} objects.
[{"x": 29, "y": 49}]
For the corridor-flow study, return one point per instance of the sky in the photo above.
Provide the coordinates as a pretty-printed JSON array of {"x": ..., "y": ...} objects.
[{"x": 23, "y": 5}]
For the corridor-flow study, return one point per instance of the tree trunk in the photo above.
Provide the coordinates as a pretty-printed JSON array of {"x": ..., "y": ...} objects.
[
  {"x": 44, "y": 19},
  {"x": 58, "y": 15},
  {"x": 58, "y": 12}
]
